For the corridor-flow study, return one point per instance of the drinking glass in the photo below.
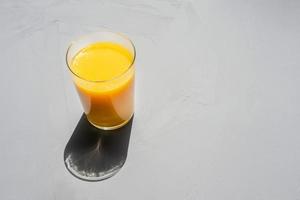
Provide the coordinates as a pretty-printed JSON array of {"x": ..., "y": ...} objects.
[{"x": 108, "y": 104}]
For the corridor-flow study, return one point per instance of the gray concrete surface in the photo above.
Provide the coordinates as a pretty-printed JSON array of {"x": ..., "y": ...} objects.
[{"x": 217, "y": 99}]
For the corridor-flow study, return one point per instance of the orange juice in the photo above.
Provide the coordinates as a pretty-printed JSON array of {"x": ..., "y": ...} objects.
[{"x": 104, "y": 79}]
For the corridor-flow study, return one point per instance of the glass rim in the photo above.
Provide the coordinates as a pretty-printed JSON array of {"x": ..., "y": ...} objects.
[{"x": 113, "y": 78}]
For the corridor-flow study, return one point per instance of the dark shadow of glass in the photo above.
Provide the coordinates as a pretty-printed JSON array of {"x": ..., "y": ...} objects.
[{"x": 92, "y": 154}]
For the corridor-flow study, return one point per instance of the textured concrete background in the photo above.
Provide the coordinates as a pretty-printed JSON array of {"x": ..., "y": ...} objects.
[{"x": 217, "y": 99}]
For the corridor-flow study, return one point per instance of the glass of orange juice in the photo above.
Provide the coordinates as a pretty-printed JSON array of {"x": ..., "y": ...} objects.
[{"x": 102, "y": 68}]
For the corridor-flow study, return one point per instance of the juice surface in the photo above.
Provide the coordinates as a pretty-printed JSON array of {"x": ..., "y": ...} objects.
[
  {"x": 105, "y": 92},
  {"x": 101, "y": 61}
]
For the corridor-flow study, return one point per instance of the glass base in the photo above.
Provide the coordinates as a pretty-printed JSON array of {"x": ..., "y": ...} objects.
[
  {"x": 111, "y": 127},
  {"x": 93, "y": 154}
]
